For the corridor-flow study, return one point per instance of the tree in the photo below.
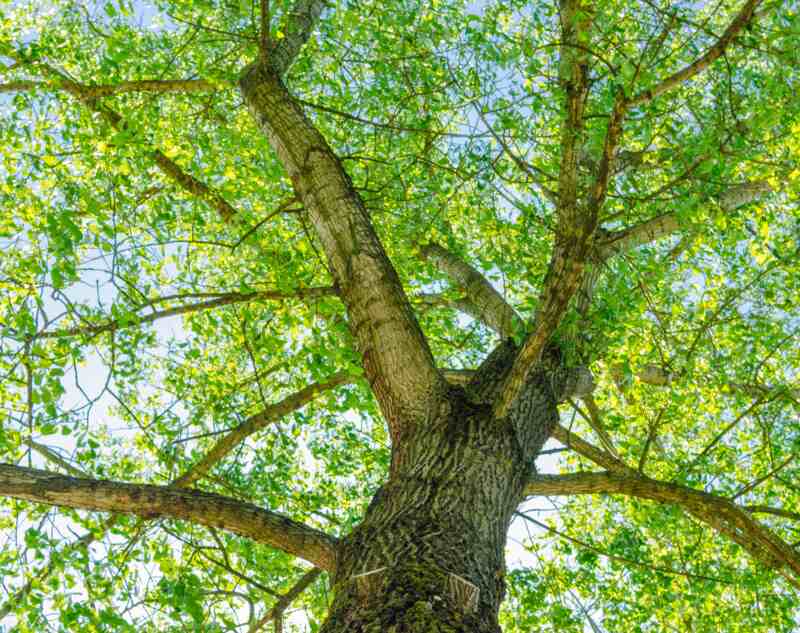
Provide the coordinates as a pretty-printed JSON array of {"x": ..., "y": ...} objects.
[{"x": 408, "y": 244}]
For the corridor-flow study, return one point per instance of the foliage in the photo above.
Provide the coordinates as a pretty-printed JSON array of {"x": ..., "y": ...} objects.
[{"x": 448, "y": 117}]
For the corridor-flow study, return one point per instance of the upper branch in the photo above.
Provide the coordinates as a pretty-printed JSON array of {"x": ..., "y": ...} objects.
[
  {"x": 169, "y": 167},
  {"x": 577, "y": 222},
  {"x": 741, "y": 20},
  {"x": 491, "y": 308},
  {"x": 149, "y": 501},
  {"x": 298, "y": 25},
  {"x": 395, "y": 355},
  {"x": 223, "y": 299},
  {"x": 667, "y": 223},
  {"x": 155, "y": 86}
]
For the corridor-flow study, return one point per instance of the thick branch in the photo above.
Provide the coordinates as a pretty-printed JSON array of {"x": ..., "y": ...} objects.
[
  {"x": 396, "y": 358},
  {"x": 576, "y": 221},
  {"x": 225, "y": 299},
  {"x": 720, "y": 513},
  {"x": 255, "y": 423},
  {"x": 667, "y": 224},
  {"x": 196, "y": 472},
  {"x": 638, "y": 235},
  {"x": 298, "y": 25},
  {"x": 460, "y": 304},
  {"x": 490, "y": 307},
  {"x": 148, "y": 501}
]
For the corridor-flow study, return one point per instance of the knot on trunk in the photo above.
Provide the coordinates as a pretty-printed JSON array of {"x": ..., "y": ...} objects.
[{"x": 431, "y": 588}]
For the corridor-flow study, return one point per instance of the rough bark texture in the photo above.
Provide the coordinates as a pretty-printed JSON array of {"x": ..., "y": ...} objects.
[
  {"x": 396, "y": 358},
  {"x": 429, "y": 555},
  {"x": 168, "y": 501}
]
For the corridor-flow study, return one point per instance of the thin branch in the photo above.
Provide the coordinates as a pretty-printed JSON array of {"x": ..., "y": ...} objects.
[
  {"x": 97, "y": 91},
  {"x": 285, "y": 601},
  {"x": 225, "y": 299},
  {"x": 169, "y": 167},
  {"x": 742, "y": 19},
  {"x": 257, "y": 422},
  {"x": 622, "y": 559}
]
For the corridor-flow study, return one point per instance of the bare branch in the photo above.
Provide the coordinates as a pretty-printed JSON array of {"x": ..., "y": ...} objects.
[
  {"x": 779, "y": 512},
  {"x": 50, "y": 455},
  {"x": 149, "y": 501},
  {"x": 744, "y": 193},
  {"x": 638, "y": 235}
]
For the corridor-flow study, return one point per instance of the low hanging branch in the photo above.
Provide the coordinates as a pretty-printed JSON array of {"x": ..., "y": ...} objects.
[
  {"x": 212, "y": 510},
  {"x": 723, "y": 515},
  {"x": 255, "y": 423}
]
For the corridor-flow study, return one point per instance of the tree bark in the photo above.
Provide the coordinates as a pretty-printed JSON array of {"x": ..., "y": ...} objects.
[
  {"x": 429, "y": 554},
  {"x": 395, "y": 355}
]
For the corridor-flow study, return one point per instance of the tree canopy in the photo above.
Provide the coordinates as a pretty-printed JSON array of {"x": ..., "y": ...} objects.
[{"x": 616, "y": 179}]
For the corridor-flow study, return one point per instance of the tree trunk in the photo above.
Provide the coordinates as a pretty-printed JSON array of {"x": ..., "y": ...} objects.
[{"x": 429, "y": 555}]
